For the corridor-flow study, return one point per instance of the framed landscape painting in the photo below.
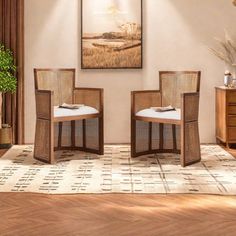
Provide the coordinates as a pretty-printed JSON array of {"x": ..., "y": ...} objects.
[{"x": 111, "y": 34}]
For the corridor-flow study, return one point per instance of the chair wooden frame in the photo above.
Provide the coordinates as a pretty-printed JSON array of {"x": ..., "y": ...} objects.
[
  {"x": 45, "y": 120},
  {"x": 190, "y": 142}
]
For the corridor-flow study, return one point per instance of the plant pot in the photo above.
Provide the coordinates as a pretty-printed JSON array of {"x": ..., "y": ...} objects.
[{"x": 5, "y": 137}]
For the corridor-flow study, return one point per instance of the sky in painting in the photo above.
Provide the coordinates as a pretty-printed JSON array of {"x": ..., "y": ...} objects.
[{"x": 101, "y": 16}]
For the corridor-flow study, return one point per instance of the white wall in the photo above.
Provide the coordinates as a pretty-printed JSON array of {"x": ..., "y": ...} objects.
[{"x": 176, "y": 35}]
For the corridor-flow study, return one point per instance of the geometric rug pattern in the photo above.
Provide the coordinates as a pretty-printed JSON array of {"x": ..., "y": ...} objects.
[{"x": 116, "y": 172}]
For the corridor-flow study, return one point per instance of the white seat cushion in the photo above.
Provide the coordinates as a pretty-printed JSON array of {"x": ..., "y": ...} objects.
[
  {"x": 84, "y": 110},
  {"x": 151, "y": 113}
]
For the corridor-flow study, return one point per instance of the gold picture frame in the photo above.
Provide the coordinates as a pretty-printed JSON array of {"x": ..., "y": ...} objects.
[{"x": 111, "y": 34}]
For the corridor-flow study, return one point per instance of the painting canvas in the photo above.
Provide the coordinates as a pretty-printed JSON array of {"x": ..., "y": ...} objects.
[{"x": 111, "y": 34}]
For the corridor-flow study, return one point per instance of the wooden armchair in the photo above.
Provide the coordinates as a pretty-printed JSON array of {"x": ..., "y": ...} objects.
[
  {"x": 172, "y": 131},
  {"x": 58, "y": 128}
]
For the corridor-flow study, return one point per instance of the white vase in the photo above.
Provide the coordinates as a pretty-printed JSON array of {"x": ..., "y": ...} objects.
[
  {"x": 227, "y": 80},
  {"x": 231, "y": 69}
]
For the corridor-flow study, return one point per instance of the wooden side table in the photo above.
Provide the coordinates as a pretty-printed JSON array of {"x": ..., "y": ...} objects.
[{"x": 226, "y": 115}]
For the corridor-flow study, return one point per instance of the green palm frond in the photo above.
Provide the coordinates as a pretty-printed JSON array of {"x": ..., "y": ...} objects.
[{"x": 8, "y": 81}]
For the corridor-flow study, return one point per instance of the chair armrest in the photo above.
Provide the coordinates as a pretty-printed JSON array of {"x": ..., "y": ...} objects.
[
  {"x": 44, "y": 104},
  {"x": 144, "y": 99},
  {"x": 190, "y": 106},
  {"x": 92, "y": 97}
]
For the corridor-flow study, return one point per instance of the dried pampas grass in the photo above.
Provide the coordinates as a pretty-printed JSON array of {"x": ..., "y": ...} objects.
[{"x": 227, "y": 50}]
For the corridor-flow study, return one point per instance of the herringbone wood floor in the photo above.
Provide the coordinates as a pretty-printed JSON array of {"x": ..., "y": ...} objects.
[{"x": 111, "y": 215}]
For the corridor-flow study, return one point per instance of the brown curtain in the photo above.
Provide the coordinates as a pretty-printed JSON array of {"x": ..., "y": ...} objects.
[{"x": 12, "y": 36}]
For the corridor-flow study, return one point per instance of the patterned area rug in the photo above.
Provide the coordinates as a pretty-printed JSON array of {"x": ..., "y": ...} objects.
[{"x": 116, "y": 172}]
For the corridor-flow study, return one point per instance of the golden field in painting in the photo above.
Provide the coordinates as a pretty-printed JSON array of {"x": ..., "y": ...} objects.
[
  {"x": 105, "y": 58},
  {"x": 117, "y": 49},
  {"x": 111, "y": 34}
]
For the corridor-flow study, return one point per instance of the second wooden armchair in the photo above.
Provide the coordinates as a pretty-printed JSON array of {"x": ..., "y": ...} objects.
[
  {"x": 58, "y": 128},
  {"x": 168, "y": 132}
]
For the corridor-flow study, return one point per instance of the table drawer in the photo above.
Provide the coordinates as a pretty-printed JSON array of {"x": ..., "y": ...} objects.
[
  {"x": 232, "y": 134},
  {"x": 232, "y": 121},
  {"x": 232, "y": 110},
  {"x": 231, "y": 97}
]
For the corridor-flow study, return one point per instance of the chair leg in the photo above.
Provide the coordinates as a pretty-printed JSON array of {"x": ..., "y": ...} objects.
[
  {"x": 43, "y": 145},
  {"x": 190, "y": 143},
  {"x": 150, "y": 136},
  {"x": 161, "y": 134},
  {"x": 85, "y": 147},
  {"x": 84, "y": 133},
  {"x": 60, "y": 134},
  {"x": 133, "y": 137},
  {"x": 101, "y": 136},
  {"x": 73, "y": 134},
  {"x": 174, "y": 138}
]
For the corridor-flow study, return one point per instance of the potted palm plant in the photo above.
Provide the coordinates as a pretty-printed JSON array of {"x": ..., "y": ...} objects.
[{"x": 8, "y": 83}]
